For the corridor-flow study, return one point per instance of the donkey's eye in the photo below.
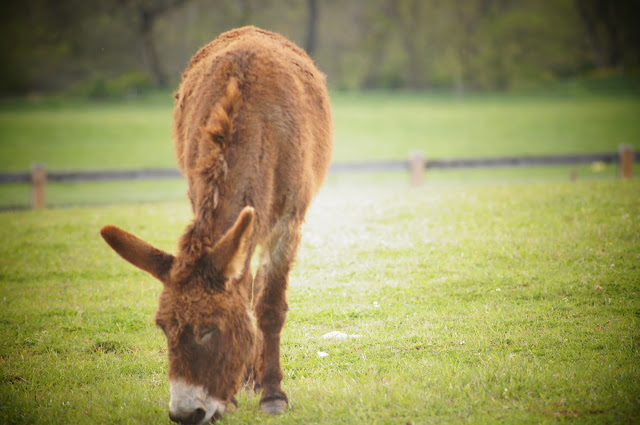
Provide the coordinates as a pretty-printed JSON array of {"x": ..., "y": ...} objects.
[{"x": 206, "y": 335}]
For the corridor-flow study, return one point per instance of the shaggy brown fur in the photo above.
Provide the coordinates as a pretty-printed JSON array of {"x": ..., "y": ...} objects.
[{"x": 252, "y": 132}]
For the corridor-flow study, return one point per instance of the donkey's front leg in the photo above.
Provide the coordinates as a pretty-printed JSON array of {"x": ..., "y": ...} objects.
[{"x": 271, "y": 310}]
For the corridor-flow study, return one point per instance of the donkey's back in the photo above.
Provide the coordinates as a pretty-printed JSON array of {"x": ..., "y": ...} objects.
[{"x": 253, "y": 112}]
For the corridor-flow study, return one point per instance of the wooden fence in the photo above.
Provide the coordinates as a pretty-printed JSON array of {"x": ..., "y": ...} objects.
[{"x": 416, "y": 164}]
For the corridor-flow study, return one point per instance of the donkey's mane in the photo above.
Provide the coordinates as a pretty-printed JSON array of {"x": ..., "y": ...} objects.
[
  {"x": 211, "y": 165},
  {"x": 211, "y": 170}
]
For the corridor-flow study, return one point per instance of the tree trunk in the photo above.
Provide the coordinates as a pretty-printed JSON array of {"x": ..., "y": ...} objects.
[
  {"x": 372, "y": 77},
  {"x": 148, "y": 12},
  {"x": 587, "y": 16},
  {"x": 310, "y": 43},
  {"x": 148, "y": 49}
]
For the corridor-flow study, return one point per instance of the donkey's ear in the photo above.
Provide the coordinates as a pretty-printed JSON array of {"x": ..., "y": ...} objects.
[
  {"x": 232, "y": 250},
  {"x": 138, "y": 252}
]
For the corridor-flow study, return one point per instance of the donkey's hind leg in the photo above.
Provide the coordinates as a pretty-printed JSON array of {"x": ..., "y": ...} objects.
[{"x": 271, "y": 308}]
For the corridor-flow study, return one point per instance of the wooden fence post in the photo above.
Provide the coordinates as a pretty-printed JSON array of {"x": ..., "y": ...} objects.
[
  {"x": 38, "y": 185},
  {"x": 416, "y": 168},
  {"x": 625, "y": 164}
]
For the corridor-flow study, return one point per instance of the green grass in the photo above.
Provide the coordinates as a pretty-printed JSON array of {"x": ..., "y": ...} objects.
[
  {"x": 86, "y": 135},
  {"x": 382, "y": 126},
  {"x": 487, "y": 296},
  {"x": 81, "y": 135},
  {"x": 66, "y": 134},
  {"x": 476, "y": 303},
  {"x": 18, "y": 196}
]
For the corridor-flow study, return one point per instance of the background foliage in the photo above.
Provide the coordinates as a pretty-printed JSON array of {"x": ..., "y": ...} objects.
[{"x": 118, "y": 48}]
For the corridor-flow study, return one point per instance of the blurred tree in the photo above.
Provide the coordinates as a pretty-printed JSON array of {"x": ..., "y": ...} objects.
[
  {"x": 242, "y": 12},
  {"x": 612, "y": 29},
  {"x": 35, "y": 35},
  {"x": 417, "y": 44},
  {"x": 312, "y": 23},
  {"x": 413, "y": 18},
  {"x": 144, "y": 14},
  {"x": 460, "y": 26},
  {"x": 376, "y": 24}
]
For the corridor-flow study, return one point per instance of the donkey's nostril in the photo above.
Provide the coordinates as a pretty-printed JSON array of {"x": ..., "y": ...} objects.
[{"x": 195, "y": 417}]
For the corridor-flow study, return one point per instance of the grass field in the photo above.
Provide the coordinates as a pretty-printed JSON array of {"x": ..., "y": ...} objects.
[
  {"x": 77, "y": 135},
  {"x": 137, "y": 134},
  {"x": 486, "y": 296},
  {"x": 487, "y": 303}
]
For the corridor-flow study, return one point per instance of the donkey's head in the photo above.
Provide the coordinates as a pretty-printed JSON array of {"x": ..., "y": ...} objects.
[{"x": 204, "y": 313}]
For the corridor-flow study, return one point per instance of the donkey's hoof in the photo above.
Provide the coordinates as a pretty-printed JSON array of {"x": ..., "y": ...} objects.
[{"x": 273, "y": 407}]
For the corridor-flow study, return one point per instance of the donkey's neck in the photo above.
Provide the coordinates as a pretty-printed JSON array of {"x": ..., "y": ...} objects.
[{"x": 211, "y": 220}]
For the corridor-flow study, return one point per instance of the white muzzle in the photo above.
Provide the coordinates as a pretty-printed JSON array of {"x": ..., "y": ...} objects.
[{"x": 191, "y": 404}]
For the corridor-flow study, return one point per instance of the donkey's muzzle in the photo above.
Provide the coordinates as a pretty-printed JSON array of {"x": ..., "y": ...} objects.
[{"x": 192, "y": 405}]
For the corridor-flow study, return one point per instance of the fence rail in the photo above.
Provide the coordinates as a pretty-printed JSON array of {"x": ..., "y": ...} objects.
[
  {"x": 92, "y": 175},
  {"x": 525, "y": 161},
  {"x": 415, "y": 164}
]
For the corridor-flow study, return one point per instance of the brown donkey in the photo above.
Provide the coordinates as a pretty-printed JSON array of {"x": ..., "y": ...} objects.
[{"x": 252, "y": 132}]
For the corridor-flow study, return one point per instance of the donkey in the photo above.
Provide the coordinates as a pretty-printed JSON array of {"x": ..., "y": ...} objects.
[{"x": 253, "y": 138}]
